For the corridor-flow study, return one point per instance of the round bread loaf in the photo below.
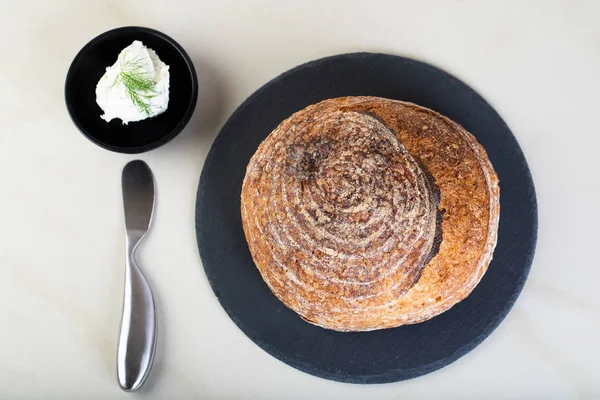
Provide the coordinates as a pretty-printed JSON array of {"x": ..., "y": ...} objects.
[{"x": 365, "y": 213}]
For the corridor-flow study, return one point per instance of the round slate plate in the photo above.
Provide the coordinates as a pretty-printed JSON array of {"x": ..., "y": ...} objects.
[{"x": 364, "y": 357}]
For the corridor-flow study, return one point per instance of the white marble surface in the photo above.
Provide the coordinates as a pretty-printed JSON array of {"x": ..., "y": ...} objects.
[{"x": 61, "y": 228}]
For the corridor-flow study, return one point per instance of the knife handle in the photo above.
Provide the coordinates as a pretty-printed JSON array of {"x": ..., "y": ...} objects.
[{"x": 137, "y": 339}]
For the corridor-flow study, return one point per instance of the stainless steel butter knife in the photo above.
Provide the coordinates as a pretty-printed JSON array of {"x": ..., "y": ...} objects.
[{"x": 137, "y": 339}]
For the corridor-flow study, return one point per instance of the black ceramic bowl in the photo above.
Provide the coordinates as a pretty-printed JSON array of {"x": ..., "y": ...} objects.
[{"x": 90, "y": 64}]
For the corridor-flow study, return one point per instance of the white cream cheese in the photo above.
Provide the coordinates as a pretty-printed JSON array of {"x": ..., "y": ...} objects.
[{"x": 136, "y": 87}]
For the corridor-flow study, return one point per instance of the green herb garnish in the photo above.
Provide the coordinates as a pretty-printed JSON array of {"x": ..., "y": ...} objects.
[{"x": 138, "y": 84}]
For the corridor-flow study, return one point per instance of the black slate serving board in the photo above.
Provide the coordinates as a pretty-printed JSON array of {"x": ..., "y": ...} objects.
[{"x": 365, "y": 357}]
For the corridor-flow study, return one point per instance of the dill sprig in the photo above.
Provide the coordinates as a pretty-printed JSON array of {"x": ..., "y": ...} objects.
[{"x": 138, "y": 84}]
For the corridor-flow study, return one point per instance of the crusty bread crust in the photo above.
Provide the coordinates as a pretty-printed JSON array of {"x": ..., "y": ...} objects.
[{"x": 339, "y": 208}]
